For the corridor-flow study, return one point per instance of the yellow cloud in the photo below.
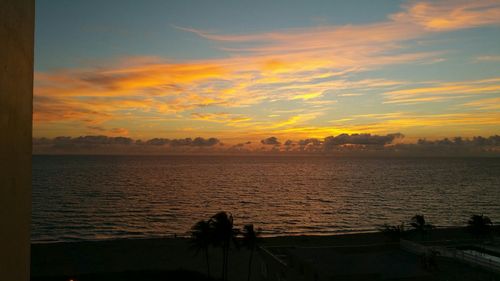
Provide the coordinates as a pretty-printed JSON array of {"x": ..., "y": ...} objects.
[
  {"x": 221, "y": 117},
  {"x": 307, "y": 96},
  {"x": 485, "y": 104},
  {"x": 439, "y": 91},
  {"x": 403, "y": 122}
]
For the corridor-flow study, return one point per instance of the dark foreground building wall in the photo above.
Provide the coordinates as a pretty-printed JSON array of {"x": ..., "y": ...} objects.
[{"x": 17, "y": 18}]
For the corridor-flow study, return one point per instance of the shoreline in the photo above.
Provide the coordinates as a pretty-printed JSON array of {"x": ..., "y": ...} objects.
[
  {"x": 270, "y": 236},
  {"x": 345, "y": 155}
]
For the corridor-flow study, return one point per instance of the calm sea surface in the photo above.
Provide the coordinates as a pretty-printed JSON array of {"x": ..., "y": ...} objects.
[{"x": 103, "y": 197}]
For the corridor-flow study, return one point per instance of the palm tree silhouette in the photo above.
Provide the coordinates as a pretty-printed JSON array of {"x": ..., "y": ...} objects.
[
  {"x": 201, "y": 238},
  {"x": 419, "y": 224},
  {"x": 224, "y": 233},
  {"x": 250, "y": 237},
  {"x": 479, "y": 225}
]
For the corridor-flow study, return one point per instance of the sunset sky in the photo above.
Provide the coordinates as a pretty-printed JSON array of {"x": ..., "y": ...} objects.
[{"x": 248, "y": 70}]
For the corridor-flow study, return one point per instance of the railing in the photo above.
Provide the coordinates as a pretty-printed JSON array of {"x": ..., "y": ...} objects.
[
  {"x": 274, "y": 257},
  {"x": 474, "y": 257},
  {"x": 479, "y": 258}
]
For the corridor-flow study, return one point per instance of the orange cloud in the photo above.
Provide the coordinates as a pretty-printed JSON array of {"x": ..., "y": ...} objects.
[{"x": 451, "y": 14}]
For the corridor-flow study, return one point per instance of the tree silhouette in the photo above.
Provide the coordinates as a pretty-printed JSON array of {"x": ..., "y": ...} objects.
[
  {"x": 395, "y": 232},
  {"x": 224, "y": 234},
  {"x": 201, "y": 238},
  {"x": 479, "y": 225},
  {"x": 250, "y": 239},
  {"x": 419, "y": 224}
]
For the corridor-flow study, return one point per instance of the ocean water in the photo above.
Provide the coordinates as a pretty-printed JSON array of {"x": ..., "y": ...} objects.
[{"x": 108, "y": 197}]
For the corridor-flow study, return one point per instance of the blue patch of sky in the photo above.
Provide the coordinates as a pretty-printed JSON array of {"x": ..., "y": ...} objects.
[
  {"x": 72, "y": 33},
  {"x": 458, "y": 49}
]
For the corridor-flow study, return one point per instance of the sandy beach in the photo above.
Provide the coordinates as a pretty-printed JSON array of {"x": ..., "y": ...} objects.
[
  {"x": 56, "y": 260},
  {"x": 153, "y": 258}
]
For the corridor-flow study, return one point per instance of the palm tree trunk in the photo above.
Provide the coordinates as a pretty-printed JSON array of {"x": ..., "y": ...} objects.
[
  {"x": 227, "y": 260},
  {"x": 250, "y": 264},
  {"x": 208, "y": 262},
  {"x": 223, "y": 261}
]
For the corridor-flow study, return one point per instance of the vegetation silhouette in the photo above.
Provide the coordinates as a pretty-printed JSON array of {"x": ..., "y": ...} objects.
[
  {"x": 250, "y": 241},
  {"x": 398, "y": 231},
  {"x": 224, "y": 234},
  {"x": 201, "y": 238},
  {"x": 219, "y": 231},
  {"x": 394, "y": 232},
  {"x": 480, "y": 226},
  {"x": 420, "y": 225}
]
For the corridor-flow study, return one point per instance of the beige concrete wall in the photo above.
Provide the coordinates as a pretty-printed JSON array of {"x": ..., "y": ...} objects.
[{"x": 16, "y": 95}]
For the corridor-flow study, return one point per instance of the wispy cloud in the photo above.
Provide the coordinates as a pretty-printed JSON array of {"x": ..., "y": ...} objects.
[
  {"x": 450, "y": 14},
  {"x": 488, "y": 58},
  {"x": 415, "y": 20},
  {"x": 306, "y": 68},
  {"x": 485, "y": 104},
  {"x": 220, "y": 117},
  {"x": 404, "y": 121},
  {"x": 440, "y": 91}
]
